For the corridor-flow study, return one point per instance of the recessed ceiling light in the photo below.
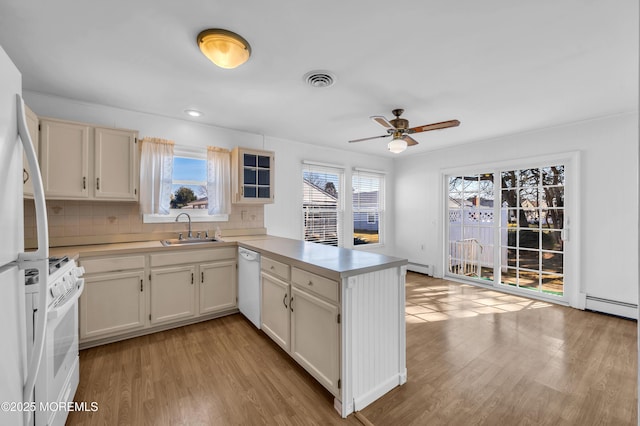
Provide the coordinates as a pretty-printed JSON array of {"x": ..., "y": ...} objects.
[{"x": 193, "y": 112}]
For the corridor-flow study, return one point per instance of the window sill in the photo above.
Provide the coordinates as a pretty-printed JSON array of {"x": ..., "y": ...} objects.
[{"x": 196, "y": 216}]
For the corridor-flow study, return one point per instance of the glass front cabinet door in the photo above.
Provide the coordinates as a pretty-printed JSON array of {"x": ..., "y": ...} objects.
[{"x": 253, "y": 176}]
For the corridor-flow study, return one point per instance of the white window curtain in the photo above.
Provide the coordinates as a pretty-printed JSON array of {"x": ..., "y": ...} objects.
[
  {"x": 156, "y": 173},
  {"x": 219, "y": 180}
]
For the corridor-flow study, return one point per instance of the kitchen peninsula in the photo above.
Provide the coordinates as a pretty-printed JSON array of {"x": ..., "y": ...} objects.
[{"x": 338, "y": 312}]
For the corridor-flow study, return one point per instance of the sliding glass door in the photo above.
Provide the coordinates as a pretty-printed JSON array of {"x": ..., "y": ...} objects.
[{"x": 505, "y": 228}]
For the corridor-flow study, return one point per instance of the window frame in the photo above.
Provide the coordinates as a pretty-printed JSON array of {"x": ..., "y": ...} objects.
[
  {"x": 197, "y": 215},
  {"x": 571, "y": 161},
  {"x": 379, "y": 210},
  {"x": 312, "y": 166}
]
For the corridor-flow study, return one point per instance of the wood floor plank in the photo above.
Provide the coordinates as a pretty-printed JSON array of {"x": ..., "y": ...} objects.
[{"x": 475, "y": 356}]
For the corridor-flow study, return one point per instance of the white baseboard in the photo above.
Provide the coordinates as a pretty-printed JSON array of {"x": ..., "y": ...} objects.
[{"x": 622, "y": 309}]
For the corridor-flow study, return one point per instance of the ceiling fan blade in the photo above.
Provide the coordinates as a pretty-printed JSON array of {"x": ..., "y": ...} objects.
[
  {"x": 410, "y": 141},
  {"x": 382, "y": 121},
  {"x": 434, "y": 126},
  {"x": 366, "y": 139}
]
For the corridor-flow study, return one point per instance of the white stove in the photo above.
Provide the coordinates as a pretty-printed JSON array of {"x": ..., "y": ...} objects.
[{"x": 59, "y": 374}]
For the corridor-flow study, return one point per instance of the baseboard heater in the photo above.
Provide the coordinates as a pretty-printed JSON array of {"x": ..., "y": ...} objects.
[
  {"x": 421, "y": 269},
  {"x": 614, "y": 307}
]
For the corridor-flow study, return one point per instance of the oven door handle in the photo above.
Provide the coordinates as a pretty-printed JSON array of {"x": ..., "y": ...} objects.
[{"x": 71, "y": 299}]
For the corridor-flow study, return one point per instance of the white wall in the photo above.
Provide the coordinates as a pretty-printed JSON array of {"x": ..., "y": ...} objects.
[
  {"x": 284, "y": 217},
  {"x": 608, "y": 199}
]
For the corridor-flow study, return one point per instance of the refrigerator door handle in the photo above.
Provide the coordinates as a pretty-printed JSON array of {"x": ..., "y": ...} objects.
[
  {"x": 40, "y": 255},
  {"x": 38, "y": 188}
]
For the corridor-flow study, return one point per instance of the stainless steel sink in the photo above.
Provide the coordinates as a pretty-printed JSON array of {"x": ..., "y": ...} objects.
[{"x": 189, "y": 241}]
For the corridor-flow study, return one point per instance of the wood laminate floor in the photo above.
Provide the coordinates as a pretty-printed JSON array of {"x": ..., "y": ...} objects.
[{"x": 474, "y": 357}]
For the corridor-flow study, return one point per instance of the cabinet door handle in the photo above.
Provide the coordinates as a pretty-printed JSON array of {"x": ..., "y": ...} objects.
[
  {"x": 98, "y": 184},
  {"x": 25, "y": 176},
  {"x": 84, "y": 182},
  {"x": 202, "y": 278},
  {"x": 291, "y": 304},
  {"x": 141, "y": 286},
  {"x": 284, "y": 301},
  {"x": 192, "y": 278}
]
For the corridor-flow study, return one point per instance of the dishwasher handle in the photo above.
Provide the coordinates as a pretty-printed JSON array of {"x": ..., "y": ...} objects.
[{"x": 248, "y": 254}]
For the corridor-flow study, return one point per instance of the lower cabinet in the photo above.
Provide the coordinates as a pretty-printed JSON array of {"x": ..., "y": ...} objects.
[
  {"x": 275, "y": 310},
  {"x": 112, "y": 303},
  {"x": 315, "y": 333},
  {"x": 302, "y": 317},
  {"x": 217, "y": 286},
  {"x": 114, "y": 296},
  {"x": 173, "y": 294},
  {"x": 140, "y": 293}
]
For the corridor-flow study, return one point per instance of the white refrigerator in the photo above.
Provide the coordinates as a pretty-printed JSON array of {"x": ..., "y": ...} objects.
[{"x": 17, "y": 373}]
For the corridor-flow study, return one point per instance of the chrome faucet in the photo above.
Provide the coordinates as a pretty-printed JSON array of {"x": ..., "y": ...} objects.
[{"x": 189, "y": 235}]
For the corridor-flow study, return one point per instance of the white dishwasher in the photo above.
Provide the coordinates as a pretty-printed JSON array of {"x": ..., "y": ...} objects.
[{"x": 249, "y": 288}]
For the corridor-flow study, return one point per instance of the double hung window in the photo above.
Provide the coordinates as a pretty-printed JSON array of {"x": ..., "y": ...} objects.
[
  {"x": 322, "y": 203},
  {"x": 368, "y": 207}
]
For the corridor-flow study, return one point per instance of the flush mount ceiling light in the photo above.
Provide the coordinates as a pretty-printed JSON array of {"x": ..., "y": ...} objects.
[
  {"x": 193, "y": 112},
  {"x": 224, "y": 48}
]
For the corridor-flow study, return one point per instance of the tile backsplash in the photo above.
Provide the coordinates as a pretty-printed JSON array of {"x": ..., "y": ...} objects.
[{"x": 100, "y": 219}]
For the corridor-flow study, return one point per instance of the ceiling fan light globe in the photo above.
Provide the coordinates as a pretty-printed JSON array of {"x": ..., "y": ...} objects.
[{"x": 397, "y": 146}]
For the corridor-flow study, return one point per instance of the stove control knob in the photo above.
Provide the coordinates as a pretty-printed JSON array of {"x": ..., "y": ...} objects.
[
  {"x": 55, "y": 290},
  {"x": 78, "y": 271}
]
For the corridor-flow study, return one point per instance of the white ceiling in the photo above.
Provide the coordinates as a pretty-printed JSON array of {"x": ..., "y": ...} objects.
[{"x": 499, "y": 66}]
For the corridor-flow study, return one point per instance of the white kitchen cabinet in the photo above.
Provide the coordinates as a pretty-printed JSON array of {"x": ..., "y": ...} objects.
[
  {"x": 252, "y": 176},
  {"x": 34, "y": 132},
  {"x": 315, "y": 337},
  {"x": 173, "y": 294},
  {"x": 64, "y": 159},
  {"x": 275, "y": 310},
  {"x": 79, "y": 161},
  {"x": 300, "y": 312},
  {"x": 217, "y": 286},
  {"x": 115, "y": 162},
  {"x": 113, "y": 300}
]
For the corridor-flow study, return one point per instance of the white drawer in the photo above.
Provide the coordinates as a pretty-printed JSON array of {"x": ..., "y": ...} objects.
[
  {"x": 274, "y": 267},
  {"x": 110, "y": 264},
  {"x": 196, "y": 256},
  {"x": 315, "y": 283}
]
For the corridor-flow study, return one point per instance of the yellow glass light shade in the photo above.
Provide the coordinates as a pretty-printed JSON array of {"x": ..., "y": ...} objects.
[
  {"x": 397, "y": 145},
  {"x": 224, "y": 48}
]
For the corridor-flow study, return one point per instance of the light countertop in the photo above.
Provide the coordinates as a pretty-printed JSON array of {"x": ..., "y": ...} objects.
[{"x": 331, "y": 262}]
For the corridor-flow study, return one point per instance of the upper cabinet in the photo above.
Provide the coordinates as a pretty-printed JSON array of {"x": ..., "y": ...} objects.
[
  {"x": 32, "y": 126},
  {"x": 253, "y": 176},
  {"x": 82, "y": 162},
  {"x": 115, "y": 162}
]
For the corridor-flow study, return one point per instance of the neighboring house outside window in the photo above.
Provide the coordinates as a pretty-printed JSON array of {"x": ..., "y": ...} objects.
[
  {"x": 322, "y": 205},
  {"x": 368, "y": 207},
  {"x": 189, "y": 188}
]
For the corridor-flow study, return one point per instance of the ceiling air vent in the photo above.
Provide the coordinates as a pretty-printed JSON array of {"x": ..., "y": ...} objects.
[{"x": 319, "y": 79}]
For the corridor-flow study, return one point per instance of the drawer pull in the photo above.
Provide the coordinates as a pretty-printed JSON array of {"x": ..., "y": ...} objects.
[
  {"x": 310, "y": 282},
  {"x": 272, "y": 267}
]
